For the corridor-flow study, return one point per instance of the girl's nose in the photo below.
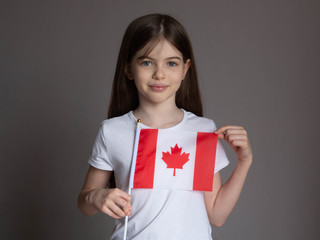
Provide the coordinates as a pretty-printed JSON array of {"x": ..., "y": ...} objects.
[{"x": 158, "y": 73}]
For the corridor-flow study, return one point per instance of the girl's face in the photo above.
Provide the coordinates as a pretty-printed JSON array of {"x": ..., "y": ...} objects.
[{"x": 158, "y": 75}]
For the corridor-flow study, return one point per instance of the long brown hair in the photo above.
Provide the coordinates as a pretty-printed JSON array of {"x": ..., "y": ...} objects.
[{"x": 145, "y": 29}]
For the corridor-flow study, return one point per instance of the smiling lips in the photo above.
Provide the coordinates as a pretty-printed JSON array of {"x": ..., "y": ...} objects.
[{"x": 158, "y": 87}]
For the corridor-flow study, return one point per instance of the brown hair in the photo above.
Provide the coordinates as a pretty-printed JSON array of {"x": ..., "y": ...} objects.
[{"x": 145, "y": 29}]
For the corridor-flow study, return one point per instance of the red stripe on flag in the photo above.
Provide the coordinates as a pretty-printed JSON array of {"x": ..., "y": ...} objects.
[
  {"x": 146, "y": 155},
  {"x": 205, "y": 161}
]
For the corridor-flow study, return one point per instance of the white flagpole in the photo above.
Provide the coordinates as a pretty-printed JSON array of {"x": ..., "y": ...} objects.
[{"x": 136, "y": 140}]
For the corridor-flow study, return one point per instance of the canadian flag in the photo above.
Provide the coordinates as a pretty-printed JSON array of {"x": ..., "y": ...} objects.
[{"x": 165, "y": 158}]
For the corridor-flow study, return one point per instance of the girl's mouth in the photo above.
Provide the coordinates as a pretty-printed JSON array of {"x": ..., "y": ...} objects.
[{"x": 158, "y": 88}]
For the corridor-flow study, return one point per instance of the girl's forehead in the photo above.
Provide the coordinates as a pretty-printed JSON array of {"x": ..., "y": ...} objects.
[{"x": 157, "y": 48}]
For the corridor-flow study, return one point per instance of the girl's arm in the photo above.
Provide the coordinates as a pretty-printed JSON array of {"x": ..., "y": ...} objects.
[
  {"x": 221, "y": 201},
  {"x": 95, "y": 197}
]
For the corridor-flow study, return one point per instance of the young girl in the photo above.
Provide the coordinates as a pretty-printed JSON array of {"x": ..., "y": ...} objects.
[{"x": 156, "y": 81}]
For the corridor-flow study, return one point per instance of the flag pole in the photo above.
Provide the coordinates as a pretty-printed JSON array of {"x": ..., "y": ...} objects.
[{"x": 129, "y": 191}]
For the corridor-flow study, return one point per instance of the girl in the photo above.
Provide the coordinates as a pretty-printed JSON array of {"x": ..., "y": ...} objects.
[{"x": 156, "y": 81}]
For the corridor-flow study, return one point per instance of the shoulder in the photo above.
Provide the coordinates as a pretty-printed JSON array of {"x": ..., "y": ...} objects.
[
  {"x": 117, "y": 123},
  {"x": 199, "y": 123},
  {"x": 117, "y": 130}
]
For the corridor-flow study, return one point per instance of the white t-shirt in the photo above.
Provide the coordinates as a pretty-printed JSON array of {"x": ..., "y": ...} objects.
[{"x": 157, "y": 214}]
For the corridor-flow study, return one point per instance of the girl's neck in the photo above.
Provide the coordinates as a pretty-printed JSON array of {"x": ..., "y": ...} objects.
[{"x": 159, "y": 116}]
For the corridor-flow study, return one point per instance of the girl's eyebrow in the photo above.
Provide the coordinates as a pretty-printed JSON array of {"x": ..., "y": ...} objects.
[{"x": 169, "y": 58}]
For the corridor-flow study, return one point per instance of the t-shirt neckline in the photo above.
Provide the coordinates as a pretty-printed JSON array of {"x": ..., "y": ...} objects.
[{"x": 173, "y": 127}]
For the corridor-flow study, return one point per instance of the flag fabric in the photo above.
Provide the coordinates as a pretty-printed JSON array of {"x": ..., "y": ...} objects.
[{"x": 169, "y": 159}]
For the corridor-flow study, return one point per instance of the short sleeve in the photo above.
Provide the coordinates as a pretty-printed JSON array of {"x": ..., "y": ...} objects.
[
  {"x": 99, "y": 157},
  {"x": 221, "y": 157}
]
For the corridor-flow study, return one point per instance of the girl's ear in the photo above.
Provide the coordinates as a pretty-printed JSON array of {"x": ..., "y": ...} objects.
[
  {"x": 128, "y": 72},
  {"x": 186, "y": 67}
]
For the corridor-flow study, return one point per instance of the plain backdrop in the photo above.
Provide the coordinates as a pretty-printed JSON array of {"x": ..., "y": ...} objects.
[{"x": 258, "y": 64}]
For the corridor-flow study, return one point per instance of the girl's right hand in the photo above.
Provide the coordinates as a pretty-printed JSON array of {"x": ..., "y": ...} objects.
[{"x": 113, "y": 202}]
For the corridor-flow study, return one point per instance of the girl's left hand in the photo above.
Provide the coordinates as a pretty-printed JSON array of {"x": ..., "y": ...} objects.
[{"x": 237, "y": 138}]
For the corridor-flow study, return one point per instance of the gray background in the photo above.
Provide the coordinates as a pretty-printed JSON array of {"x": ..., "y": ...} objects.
[{"x": 258, "y": 64}]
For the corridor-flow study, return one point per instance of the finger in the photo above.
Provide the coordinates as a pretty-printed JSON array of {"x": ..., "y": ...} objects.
[
  {"x": 117, "y": 211},
  {"x": 122, "y": 194},
  {"x": 114, "y": 210},
  {"x": 236, "y": 132},
  {"x": 122, "y": 199},
  {"x": 226, "y": 131},
  {"x": 111, "y": 214},
  {"x": 240, "y": 143},
  {"x": 127, "y": 209},
  {"x": 226, "y": 127},
  {"x": 232, "y": 137},
  {"x": 222, "y": 135}
]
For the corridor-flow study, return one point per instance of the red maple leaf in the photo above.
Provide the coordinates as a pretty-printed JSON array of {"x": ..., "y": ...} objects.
[{"x": 175, "y": 159}]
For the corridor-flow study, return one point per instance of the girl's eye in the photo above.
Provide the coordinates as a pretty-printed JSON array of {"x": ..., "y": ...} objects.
[
  {"x": 172, "y": 64},
  {"x": 146, "y": 63}
]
